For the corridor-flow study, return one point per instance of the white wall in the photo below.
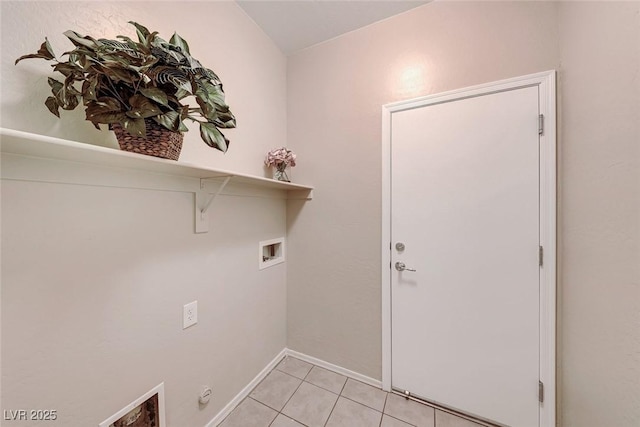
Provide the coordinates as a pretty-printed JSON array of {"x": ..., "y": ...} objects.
[
  {"x": 94, "y": 278},
  {"x": 334, "y": 121}
]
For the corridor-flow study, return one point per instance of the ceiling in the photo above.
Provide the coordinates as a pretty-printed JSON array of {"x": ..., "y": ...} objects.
[{"x": 297, "y": 24}]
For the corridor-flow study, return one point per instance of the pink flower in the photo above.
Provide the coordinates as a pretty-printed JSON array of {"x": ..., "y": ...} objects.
[{"x": 280, "y": 156}]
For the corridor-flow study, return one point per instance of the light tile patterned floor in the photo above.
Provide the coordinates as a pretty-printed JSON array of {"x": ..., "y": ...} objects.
[{"x": 299, "y": 394}]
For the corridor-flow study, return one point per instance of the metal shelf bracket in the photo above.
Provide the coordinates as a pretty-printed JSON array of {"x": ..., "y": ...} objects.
[{"x": 202, "y": 206}]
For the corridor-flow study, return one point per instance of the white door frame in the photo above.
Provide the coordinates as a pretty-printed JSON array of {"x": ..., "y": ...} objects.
[{"x": 546, "y": 82}]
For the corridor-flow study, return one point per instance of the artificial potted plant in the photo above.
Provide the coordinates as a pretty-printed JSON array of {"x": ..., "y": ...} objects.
[{"x": 138, "y": 88}]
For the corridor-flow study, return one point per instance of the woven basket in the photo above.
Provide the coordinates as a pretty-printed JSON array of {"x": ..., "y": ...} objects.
[{"x": 160, "y": 141}]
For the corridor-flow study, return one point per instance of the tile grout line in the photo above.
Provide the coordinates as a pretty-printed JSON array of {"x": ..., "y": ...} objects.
[
  {"x": 336, "y": 402},
  {"x": 391, "y": 416},
  {"x": 291, "y": 375},
  {"x": 352, "y": 400},
  {"x": 360, "y": 403},
  {"x": 384, "y": 405},
  {"x": 285, "y": 404},
  {"x": 279, "y": 411},
  {"x": 444, "y": 409},
  {"x": 297, "y": 388},
  {"x": 326, "y": 389},
  {"x": 286, "y": 373},
  {"x": 364, "y": 404},
  {"x": 343, "y": 386},
  {"x": 266, "y": 406},
  {"x": 275, "y": 368},
  {"x": 304, "y": 380},
  {"x": 322, "y": 388},
  {"x": 331, "y": 413},
  {"x": 381, "y": 419},
  {"x": 291, "y": 397},
  {"x": 260, "y": 383},
  {"x": 310, "y": 369}
]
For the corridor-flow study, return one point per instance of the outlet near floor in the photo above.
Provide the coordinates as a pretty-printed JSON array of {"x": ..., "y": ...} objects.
[{"x": 189, "y": 314}]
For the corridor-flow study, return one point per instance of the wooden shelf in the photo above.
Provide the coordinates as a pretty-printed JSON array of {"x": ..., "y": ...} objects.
[{"x": 34, "y": 145}]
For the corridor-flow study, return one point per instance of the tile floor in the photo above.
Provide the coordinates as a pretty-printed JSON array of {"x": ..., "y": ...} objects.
[{"x": 299, "y": 394}]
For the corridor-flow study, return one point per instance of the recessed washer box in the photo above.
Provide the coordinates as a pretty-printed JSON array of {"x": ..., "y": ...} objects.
[{"x": 270, "y": 252}]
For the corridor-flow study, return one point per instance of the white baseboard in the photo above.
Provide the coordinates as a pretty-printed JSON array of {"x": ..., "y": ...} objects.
[
  {"x": 246, "y": 390},
  {"x": 286, "y": 352},
  {"x": 335, "y": 368}
]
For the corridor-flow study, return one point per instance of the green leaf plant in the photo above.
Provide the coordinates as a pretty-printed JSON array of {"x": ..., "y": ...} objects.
[{"x": 123, "y": 81}]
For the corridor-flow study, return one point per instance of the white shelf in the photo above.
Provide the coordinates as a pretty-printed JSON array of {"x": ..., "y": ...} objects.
[
  {"x": 158, "y": 173},
  {"x": 42, "y": 146}
]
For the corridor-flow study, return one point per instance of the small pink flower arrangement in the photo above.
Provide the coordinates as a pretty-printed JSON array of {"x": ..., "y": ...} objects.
[{"x": 280, "y": 158}]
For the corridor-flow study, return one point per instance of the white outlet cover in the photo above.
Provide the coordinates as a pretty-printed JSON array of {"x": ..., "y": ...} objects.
[{"x": 190, "y": 314}]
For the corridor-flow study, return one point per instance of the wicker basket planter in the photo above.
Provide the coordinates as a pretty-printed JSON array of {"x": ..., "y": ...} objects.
[{"x": 160, "y": 141}]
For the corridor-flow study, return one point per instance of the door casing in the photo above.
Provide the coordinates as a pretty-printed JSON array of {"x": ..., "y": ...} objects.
[{"x": 546, "y": 82}]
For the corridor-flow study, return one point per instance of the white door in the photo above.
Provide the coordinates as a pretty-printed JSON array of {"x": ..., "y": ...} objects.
[{"x": 465, "y": 205}]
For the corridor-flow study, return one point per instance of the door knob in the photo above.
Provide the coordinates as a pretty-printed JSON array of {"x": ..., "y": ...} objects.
[{"x": 401, "y": 267}]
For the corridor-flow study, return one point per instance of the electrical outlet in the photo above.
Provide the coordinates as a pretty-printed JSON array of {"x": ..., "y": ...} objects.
[{"x": 190, "y": 314}]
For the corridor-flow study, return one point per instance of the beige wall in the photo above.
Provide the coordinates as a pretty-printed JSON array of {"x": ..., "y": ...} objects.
[
  {"x": 93, "y": 284},
  {"x": 336, "y": 90},
  {"x": 87, "y": 309},
  {"x": 94, "y": 279},
  {"x": 599, "y": 293},
  {"x": 220, "y": 36}
]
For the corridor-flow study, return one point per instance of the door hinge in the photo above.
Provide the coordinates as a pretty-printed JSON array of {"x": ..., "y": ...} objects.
[
  {"x": 540, "y": 124},
  {"x": 540, "y": 392},
  {"x": 540, "y": 255}
]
